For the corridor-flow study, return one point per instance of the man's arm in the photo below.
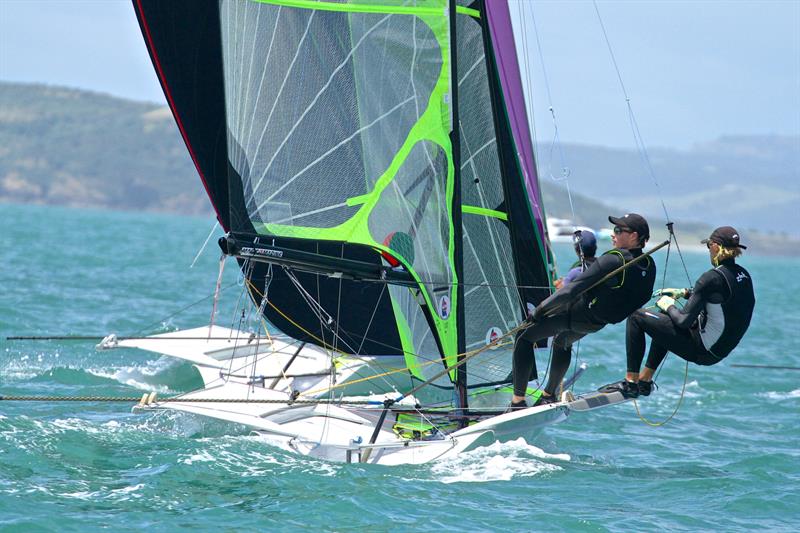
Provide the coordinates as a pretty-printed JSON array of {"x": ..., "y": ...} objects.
[
  {"x": 560, "y": 300},
  {"x": 710, "y": 283}
]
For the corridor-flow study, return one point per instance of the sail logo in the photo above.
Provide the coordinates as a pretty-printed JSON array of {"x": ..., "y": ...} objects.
[
  {"x": 492, "y": 335},
  {"x": 262, "y": 251},
  {"x": 444, "y": 307}
]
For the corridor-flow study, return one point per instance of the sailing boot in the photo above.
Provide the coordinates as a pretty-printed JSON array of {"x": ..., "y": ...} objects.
[
  {"x": 545, "y": 400},
  {"x": 516, "y": 406},
  {"x": 646, "y": 387},
  {"x": 629, "y": 389}
]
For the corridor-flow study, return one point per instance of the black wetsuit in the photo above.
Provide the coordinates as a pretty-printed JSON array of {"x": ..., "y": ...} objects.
[
  {"x": 568, "y": 317},
  {"x": 705, "y": 331}
]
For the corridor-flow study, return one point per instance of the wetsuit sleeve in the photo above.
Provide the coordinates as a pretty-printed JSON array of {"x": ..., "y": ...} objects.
[
  {"x": 572, "y": 274},
  {"x": 560, "y": 300},
  {"x": 709, "y": 288}
]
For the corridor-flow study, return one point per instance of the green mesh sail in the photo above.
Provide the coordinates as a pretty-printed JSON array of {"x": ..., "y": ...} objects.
[{"x": 338, "y": 121}]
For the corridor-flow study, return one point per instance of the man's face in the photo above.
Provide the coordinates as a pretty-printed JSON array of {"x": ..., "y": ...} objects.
[
  {"x": 624, "y": 238},
  {"x": 713, "y": 250}
]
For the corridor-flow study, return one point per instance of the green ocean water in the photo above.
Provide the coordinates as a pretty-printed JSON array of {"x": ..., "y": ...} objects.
[{"x": 728, "y": 461}]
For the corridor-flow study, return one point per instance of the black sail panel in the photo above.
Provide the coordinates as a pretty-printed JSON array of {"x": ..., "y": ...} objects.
[
  {"x": 184, "y": 40},
  {"x": 182, "y": 37}
]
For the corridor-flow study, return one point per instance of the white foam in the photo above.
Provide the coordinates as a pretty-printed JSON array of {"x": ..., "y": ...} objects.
[
  {"x": 498, "y": 462},
  {"x": 772, "y": 395},
  {"x": 128, "y": 376},
  {"x": 202, "y": 457}
]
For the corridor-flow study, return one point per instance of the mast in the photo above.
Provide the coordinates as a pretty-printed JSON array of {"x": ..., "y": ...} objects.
[{"x": 458, "y": 238}]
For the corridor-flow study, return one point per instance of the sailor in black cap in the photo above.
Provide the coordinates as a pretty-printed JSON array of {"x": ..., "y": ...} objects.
[
  {"x": 578, "y": 308},
  {"x": 706, "y": 330}
]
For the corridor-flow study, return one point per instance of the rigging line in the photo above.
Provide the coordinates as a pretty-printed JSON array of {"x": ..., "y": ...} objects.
[
  {"x": 369, "y": 324},
  {"x": 182, "y": 309},
  {"x": 463, "y": 358},
  {"x": 426, "y": 359},
  {"x": 531, "y": 113},
  {"x": 631, "y": 116},
  {"x": 442, "y": 284},
  {"x": 680, "y": 400},
  {"x": 202, "y": 248},
  {"x": 556, "y": 142},
  {"x": 247, "y": 271},
  {"x": 325, "y": 324},
  {"x": 680, "y": 255}
]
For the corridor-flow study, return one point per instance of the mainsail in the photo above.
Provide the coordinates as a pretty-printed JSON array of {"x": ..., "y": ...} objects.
[{"x": 371, "y": 163}]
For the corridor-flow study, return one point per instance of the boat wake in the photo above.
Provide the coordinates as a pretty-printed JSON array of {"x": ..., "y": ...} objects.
[{"x": 499, "y": 462}]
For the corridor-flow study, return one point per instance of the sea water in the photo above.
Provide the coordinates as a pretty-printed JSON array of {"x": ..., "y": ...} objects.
[{"x": 729, "y": 459}]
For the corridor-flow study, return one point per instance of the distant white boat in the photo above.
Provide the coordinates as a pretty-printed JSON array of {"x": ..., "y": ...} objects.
[{"x": 563, "y": 229}]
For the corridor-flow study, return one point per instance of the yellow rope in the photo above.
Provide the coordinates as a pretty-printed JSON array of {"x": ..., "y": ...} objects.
[
  {"x": 468, "y": 354},
  {"x": 659, "y": 424}
]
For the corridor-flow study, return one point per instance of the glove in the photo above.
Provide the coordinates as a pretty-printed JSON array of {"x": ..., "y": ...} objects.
[
  {"x": 673, "y": 293},
  {"x": 665, "y": 302}
]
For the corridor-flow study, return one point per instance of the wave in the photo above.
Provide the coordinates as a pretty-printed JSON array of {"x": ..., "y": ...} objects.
[
  {"x": 498, "y": 462},
  {"x": 774, "y": 395},
  {"x": 163, "y": 375}
]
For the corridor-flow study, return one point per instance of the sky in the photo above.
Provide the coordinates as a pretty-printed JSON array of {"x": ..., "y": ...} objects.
[{"x": 693, "y": 70}]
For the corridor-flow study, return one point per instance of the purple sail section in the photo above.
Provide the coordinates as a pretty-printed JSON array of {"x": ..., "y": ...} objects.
[{"x": 505, "y": 52}]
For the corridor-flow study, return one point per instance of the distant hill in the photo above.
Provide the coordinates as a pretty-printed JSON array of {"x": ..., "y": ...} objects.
[
  {"x": 752, "y": 183},
  {"x": 76, "y": 148}
]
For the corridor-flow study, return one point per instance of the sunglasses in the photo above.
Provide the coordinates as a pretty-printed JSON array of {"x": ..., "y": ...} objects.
[{"x": 618, "y": 230}]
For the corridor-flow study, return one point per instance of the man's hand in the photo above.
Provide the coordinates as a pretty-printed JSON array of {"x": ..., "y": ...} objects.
[
  {"x": 672, "y": 293},
  {"x": 665, "y": 302}
]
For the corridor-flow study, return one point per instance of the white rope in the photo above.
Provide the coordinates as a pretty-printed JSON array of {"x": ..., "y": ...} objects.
[
  {"x": 638, "y": 139},
  {"x": 202, "y": 248}
]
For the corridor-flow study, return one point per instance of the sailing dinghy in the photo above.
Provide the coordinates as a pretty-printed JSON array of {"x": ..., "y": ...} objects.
[{"x": 371, "y": 164}]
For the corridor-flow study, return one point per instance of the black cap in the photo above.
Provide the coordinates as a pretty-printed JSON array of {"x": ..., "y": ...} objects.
[
  {"x": 633, "y": 222},
  {"x": 725, "y": 236}
]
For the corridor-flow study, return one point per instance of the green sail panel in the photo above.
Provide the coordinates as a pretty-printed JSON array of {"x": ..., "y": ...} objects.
[{"x": 338, "y": 120}]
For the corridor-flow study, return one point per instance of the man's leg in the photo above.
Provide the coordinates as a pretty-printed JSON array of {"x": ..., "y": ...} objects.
[
  {"x": 635, "y": 342},
  {"x": 562, "y": 357},
  {"x": 665, "y": 337},
  {"x": 523, "y": 351}
]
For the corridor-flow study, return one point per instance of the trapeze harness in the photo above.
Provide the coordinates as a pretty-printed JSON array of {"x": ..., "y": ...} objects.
[
  {"x": 612, "y": 304},
  {"x": 722, "y": 325}
]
